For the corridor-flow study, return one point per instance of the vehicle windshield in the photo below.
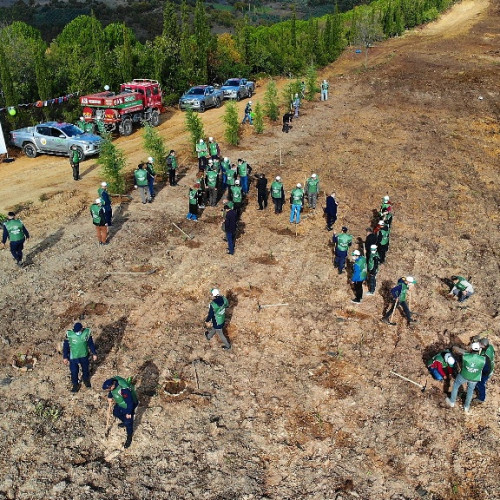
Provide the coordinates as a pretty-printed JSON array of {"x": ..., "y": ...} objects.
[
  {"x": 72, "y": 130},
  {"x": 196, "y": 91},
  {"x": 232, "y": 83}
]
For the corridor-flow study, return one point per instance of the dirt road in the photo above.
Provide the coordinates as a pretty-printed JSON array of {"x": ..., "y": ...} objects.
[{"x": 304, "y": 406}]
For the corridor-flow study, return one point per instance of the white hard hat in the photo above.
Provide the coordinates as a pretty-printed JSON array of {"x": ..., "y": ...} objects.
[
  {"x": 296, "y": 95},
  {"x": 278, "y": 178},
  {"x": 475, "y": 346},
  {"x": 386, "y": 197},
  {"x": 210, "y": 138},
  {"x": 82, "y": 118},
  {"x": 150, "y": 159},
  {"x": 226, "y": 158},
  {"x": 373, "y": 248},
  {"x": 201, "y": 140},
  {"x": 410, "y": 279},
  {"x": 98, "y": 200},
  {"x": 314, "y": 176},
  {"x": 299, "y": 185},
  {"x": 104, "y": 184},
  {"x": 215, "y": 292},
  {"x": 237, "y": 182},
  {"x": 210, "y": 161},
  {"x": 356, "y": 253},
  {"x": 249, "y": 102},
  {"x": 381, "y": 223},
  {"x": 449, "y": 358}
]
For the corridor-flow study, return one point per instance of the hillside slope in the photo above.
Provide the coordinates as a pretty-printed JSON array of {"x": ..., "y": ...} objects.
[{"x": 304, "y": 406}]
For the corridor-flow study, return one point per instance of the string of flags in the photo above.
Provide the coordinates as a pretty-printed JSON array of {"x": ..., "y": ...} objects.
[{"x": 12, "y": 110}]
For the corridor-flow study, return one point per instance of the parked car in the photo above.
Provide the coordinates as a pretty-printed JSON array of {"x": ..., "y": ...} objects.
[
  {"x": 238, "y": 88},
  {"x": 55, "y": 138},
  {"x": 200, "y": 98}
]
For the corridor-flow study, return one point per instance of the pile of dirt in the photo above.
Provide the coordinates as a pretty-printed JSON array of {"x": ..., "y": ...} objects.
[{"x": 304, "y": 405}]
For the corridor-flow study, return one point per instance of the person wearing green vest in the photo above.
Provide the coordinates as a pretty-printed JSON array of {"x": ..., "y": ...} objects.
[
  {"x": 122, "y": 394},
  {"x": 74, "y": 161},
  {"x": 213, "y": 148},
  {"x": 461, "y": 288},
  {"x": 296, "y": 201},
  {"x": 224, "y": 167},
  {"x": 217, "y": 316},
  {"x": 385, "y": 211},
  {"x": 358, "y": 276},
  {"x": 211, "y": 178},
  {"x": 489, "y": 354},
  {"x": 99, "y": 220},
  {"x": 231, "y": 174},
  {"x": 172, "y": 167},
  {"x": 193, "y": 202},
  {"x": 141, "y": 183},
  {"x": 342, "y": 243},
  {"x": 243, "y": 169},
  {"x": 472, "y": 368},
  {"x": 278, "y": 194},
  {"x": 440, "y": 366},
  {"x": 81, "y": 124},
  {"x": 400, "y": 294},
  {"x": 383, "y": 245},
  {"x": 17, "y": 234},
  {"x": 202, "y": 152},
  {"x": 312, "y": 190},
  {"x": 372, "y": 265},
  {"x": 324, "y": 90},
  {"x": 236, "y": 196},
  {"x": 77, "y": 346}
]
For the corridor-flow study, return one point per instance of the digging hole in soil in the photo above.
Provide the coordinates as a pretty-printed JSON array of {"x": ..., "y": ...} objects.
[{"x": 174, "y": 387}]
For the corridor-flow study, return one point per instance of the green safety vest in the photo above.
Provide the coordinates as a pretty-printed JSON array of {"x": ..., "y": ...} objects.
[
  {"x": 440, "y": 358},
  {"x": 151, "y": 169},
  {"x": 123, "y": 384},
  {"x": 312, "y": 185},
  {"x": 276, "y": 188},
  {"x": 242, "y": 169},
  {"x": 193, "y": 196},
  {"x": 385, "y": 236},
  {"x": 343, "y": 241},
  {"x": 89, "y": 128},
  {"x": 211, "y": 178},
  {"x": 216, "y": 164},
  {"x": 141, "y": 177},
  {"x": 236, "y": 194},
  {"x": 324, "y": 86},
  {"x": 81, "y": 124},
  {"x": 404, "y": 291},
  {"x": 213, "y": 148},
  {"x": 361, "y": 263},
  {"x": 172, "y": 164},
  {"x": 100, "y": 191},
  {"x": 201, "y": 149},
  {"x": 220, "y": 311},
  {"x": 231, "y": 174},
  {"x": 78, "y": 344},
  {"x": 472, "y": 366},
  {"x": 490, "y": 354},
  {"x": 371, "y": 260},
  {"x": 460, "y": 284},
  {"x": 297, "y": 195},
  {"x": 94, "y": 211},
  {"x": 15, "y": 229},
  {"x": 226, "y": 165},
  {"x": 75, "y": 157},
  {"x": 384, "y": 207}
]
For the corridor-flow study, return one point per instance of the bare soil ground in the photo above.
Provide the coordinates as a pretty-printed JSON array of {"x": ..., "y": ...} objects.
[{"x": 304, "y": 405}]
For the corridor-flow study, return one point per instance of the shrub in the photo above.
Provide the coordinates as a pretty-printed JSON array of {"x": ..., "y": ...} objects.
[
  {"x": 231, "y": 134},
  {"x": 112, "y": 162},
  {"x": 155, "y": 147},
  {"x": 259, "y": 119},
  {"x": 271, "y": 108},
  {"x": 194, "y": 126}
]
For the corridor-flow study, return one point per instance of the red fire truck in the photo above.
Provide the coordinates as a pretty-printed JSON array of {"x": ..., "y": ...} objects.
[{"x": 138, "y": 101}]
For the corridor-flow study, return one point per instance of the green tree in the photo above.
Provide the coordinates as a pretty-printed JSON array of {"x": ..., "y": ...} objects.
[
  {"x": 112, "y": 162},
  {"x": 202, "y": 38},
  {"x": 258, "y": 121},
  {"x": 232, "y": 131},
  {"x": 194, "y": 126},
  {"x": 126, "y": 58},
  {"x": 311, "y": 78},
  {"x": 271, "y": 107},
  {"x": 155, "y": 146},
  {"x": 9, "y": 93}
]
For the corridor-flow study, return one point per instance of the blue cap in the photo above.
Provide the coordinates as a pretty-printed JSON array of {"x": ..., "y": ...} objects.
[
  {"x": 108, "y": 383},
  {"x": 78, "y": 327}
]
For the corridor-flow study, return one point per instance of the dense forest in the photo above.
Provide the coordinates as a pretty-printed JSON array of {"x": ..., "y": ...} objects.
[{"x": 86, "y": 55}]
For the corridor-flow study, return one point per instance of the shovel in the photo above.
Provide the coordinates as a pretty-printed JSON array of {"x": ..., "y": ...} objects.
[{"x": 422, "y": 387}]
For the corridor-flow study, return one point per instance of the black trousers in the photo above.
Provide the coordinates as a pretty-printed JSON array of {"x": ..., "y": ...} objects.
[
  {"x": 262, "y": 199},
  {"x": 358, "y": 289},
  {"x": 76, "y": 170},
  {"x": 171, "y": 177},
  {"x": 278, "y": 205}
]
